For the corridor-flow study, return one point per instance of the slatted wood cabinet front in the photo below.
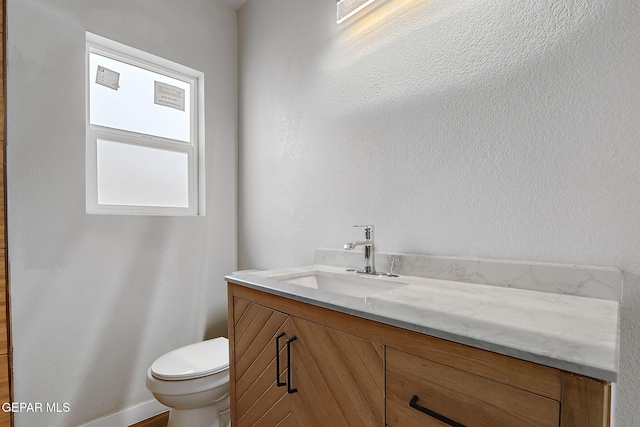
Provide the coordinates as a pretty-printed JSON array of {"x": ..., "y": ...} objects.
[
  {"x": 335, "y": 379},
  {"x": 297, "y": 365}
]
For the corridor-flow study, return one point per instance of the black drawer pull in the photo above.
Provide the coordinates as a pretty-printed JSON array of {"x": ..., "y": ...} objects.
[
  {"x": 278, "y": 382},
  {"x": 414, "y": 404},
  {"x": 290, "y": 389}
]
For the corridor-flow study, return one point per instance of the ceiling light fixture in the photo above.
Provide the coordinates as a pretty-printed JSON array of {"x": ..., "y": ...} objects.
[{"x": 347, "y": 8}]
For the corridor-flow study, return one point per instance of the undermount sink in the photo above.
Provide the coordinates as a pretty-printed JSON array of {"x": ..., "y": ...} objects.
[{"x": 347, "y": 283}]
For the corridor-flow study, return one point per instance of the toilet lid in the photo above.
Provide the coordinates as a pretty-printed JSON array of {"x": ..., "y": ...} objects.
[{"x": 193, "y": 361}]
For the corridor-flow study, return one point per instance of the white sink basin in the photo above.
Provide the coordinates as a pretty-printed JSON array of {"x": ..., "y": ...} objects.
[{"x": 347, "y": 283}]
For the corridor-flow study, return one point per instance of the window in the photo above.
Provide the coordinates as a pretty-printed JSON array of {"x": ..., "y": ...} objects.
[{"x": 145, "y": 133}]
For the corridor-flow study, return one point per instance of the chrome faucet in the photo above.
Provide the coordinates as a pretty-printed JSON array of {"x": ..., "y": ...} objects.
[{"x": 369, "y": 264}]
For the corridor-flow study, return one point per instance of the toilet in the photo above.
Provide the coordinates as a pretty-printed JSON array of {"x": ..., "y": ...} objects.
[{"x": 194, "y": 382}]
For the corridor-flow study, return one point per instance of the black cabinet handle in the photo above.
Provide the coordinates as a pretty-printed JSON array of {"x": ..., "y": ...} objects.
[
  {"x": 414, "y": 404},
  {"x": 290, "y": 389},
  {"x": 278, "y": 382}
]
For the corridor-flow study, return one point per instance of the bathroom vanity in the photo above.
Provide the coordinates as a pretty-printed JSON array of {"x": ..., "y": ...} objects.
[{"x": 416, "y": 351}]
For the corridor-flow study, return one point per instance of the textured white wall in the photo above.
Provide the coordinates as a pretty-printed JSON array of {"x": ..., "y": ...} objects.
[
  {"x": 499, "y": 129},
  {"x": 96, "y": 299}
]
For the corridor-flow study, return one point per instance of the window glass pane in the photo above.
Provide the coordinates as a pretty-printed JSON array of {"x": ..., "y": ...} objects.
[
  {"x": 123, "y": 96},
  {"x": 134, "y": 175}
]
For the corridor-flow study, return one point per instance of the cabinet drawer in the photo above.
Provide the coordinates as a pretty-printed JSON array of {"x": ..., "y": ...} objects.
[{"x": 465, "y": 398}]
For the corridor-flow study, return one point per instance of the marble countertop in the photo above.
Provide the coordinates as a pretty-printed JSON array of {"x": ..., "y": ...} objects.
[{"x": 569, "y": 332}]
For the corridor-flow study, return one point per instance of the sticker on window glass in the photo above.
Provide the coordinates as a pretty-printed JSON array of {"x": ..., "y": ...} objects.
[
  {"x": 169, "y": 96},
  {"x": 108, "y": 78}
]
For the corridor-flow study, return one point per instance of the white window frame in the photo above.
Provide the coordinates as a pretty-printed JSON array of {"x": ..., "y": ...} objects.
[{"x": 194, "y": 148}]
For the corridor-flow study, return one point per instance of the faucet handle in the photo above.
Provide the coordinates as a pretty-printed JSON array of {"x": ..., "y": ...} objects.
[{"x": 368, "y": 230}]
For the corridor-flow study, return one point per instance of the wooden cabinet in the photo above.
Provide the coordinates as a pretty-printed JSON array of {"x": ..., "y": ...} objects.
[
  {"x": 350, "y": 371},
  {"x": 336, "y": 378}
]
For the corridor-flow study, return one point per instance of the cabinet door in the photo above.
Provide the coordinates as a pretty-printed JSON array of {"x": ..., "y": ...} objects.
[
  {"x": 258, "y": 400},
  {"x": 339, "y": 378}
]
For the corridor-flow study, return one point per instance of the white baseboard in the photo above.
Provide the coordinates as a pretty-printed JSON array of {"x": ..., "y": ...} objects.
[{"x": 132, "y": 415}]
